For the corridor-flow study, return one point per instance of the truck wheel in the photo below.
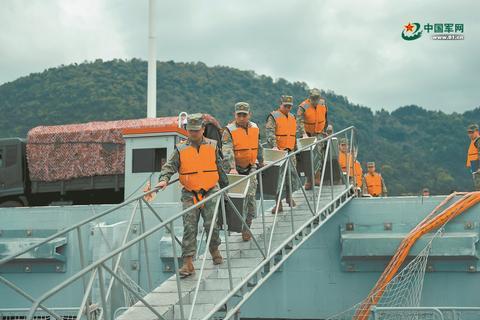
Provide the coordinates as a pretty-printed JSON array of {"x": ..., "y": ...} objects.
[{"x": 11, "y": 204}]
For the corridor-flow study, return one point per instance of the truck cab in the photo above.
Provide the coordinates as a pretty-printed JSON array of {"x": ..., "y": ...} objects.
[{"x": 12, "y": 172}]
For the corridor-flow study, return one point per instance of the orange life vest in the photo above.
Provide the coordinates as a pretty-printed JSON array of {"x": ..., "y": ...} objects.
[
  {"x": 374, "y": 184},
  {"x": 245, "y": 144},
  {"x": 314, "y": 117},
  {"x": 342, "y": 160},
  {"x": 198, "y": 167},
  {"x": 472, "y": 154},
  {"x": 285, "y": 130},
  {"x": 358, "y": 174}
]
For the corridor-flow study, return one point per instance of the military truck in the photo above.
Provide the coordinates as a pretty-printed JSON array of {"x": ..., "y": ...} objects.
[
  {"x": 17, "y": 189},
  {"x": 77, "y": 163}
]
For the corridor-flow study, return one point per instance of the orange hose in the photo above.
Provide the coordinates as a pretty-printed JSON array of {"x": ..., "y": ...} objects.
[{"x": 426, "y": 225}]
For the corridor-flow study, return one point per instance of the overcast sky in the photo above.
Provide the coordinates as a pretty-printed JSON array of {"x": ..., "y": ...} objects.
[{"x": 351, "y": 47}]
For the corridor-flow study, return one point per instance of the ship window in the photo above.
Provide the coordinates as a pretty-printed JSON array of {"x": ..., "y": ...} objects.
[
  {"x": 1, "y": 158},
  {"x": 148, "y": 160},
  {"x": 10, "y": 156}
]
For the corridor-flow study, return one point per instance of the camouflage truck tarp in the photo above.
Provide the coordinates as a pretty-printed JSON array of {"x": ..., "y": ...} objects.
[{"x": 82, "y": 150}]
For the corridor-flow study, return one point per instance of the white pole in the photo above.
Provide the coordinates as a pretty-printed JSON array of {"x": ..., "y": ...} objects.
[{"x": 152, "y": 63}]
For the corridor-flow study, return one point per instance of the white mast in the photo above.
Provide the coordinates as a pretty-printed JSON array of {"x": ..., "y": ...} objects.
[{"x": 152, "y": 63}]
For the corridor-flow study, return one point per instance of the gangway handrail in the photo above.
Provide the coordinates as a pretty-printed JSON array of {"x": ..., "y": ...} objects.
[
  {"x": 274, "y": 253},
  {"x": 198, "y": 204},
  {"x": 97, "y": 267}
]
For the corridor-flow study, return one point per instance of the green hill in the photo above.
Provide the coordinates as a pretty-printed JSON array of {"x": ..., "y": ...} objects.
[{"x": 413, "y": 147}]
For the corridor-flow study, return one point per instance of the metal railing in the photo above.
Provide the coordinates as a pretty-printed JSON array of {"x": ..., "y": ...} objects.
[
  {"x": 19, "y": 313},
  {"x": 272, "y": 256},
  {"x": 437, "y": 313}
]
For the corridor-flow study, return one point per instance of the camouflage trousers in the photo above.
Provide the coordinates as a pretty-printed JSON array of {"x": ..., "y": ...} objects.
[
  {"x": 318, "y": 153},
  {"x": 476, "y": 181},
  {"x": 191, "y": 219},
  {"x": 295, "y": 185},
  {"x": 251, "y": 203}
]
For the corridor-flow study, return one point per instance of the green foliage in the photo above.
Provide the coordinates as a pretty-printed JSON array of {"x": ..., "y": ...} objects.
[{"x": 413, "y": 147}]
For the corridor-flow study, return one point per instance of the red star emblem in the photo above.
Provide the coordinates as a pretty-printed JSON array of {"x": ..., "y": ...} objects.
[{"x": 409, "y": 27}]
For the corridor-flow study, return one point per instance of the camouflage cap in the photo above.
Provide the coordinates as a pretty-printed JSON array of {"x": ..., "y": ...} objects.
[
  {"x": 371, "y": 164},
  {"x": 288, "y": 100},
  {"x": 472, "y": 127},
  {"x": 242, "y": 107},
  {"x": 314, "y": 93},
  {"x": 344, "y": 141},
  {"x": 194, "y": 121}
]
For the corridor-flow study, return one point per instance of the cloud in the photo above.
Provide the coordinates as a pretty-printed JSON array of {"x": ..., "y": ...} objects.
[
  {"x": 36, "y": 34},
  {"x": 351, "y": 47}
]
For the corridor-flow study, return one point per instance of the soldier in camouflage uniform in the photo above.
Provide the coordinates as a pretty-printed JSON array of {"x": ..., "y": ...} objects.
[
  {"x": 242, "y": 154},
  {"x": 280, "y": 131},
  {"x": 209, "y": 173},
  {"x": 473, "y": 155},
  {"x": 312, "y": 120}
]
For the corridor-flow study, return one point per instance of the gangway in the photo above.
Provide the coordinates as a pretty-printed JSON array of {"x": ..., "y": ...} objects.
[{"x": 214, "y": 291}]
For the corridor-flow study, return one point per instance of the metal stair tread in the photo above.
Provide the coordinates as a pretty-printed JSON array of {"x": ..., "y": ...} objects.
[{"x": 244, "y": 257}]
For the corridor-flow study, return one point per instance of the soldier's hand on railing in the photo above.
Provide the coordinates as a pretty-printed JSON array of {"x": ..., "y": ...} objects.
[
  {"x": 233, "y": 171},
  {"x": 275, "y": 148},
  {"x": 161, "y": 185},
  {"x": 148, "y": 197},
  {"x": 305, "y": 135}
]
